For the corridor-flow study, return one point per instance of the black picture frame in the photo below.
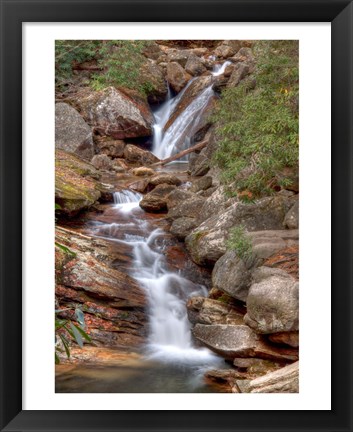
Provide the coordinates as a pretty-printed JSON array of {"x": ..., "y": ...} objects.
[{"x": 13, "y": 14}]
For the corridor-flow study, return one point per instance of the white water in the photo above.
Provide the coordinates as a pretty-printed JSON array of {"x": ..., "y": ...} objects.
[
  {"x": 179, "y": 134},
  {"x": 169, "y": 337}
]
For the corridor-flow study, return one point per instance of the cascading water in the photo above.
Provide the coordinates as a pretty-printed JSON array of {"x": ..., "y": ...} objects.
[{"x": 178, "y": 135}]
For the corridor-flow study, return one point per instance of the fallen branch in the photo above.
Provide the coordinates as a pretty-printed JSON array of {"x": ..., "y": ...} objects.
[{"x": 196, "y": 147}]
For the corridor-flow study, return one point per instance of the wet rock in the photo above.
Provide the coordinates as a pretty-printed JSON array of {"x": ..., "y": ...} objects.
[
  {"x": 291, "y": 219},
  {"x": 231, "y": 275},
  {"x": 231, "y": 341},
  {"x": 182, "y": 227},
  {"x": 287, "y": 338},
  {"x": 143, "y": 172},
  {"x": 224, "y": 51},
  {"x": 177, "y": 76},
  {"x": 113, "y": 113},
  {"x": 112, "y": 148},
  {"x": 156, "y": 200},
  {"x": 102, "y": 162},
  {"x": 284, "y": 380},
  {"x": 201, "y": 184},
  {"x": 72, "y": 133},
  {"x": 135, "y": 154},
  {"x": 203, "y": 310},
  {"x": 194, "y": 66},
  {"x": 76, "y": 185},
  {"x": 273, "y": 302},
  {"x": 165, "y": 178},
  {"x": 189, "y": 208},
  {"x": 153, "y": 74}
]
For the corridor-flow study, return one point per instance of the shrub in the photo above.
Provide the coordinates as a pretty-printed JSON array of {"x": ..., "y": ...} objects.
[
  {"x": 257, "y": 130},
  {"x": 239, "y": 242}
]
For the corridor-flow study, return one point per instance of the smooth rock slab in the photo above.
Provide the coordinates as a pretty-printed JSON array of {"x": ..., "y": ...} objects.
[{"x": 284, "y": 380}]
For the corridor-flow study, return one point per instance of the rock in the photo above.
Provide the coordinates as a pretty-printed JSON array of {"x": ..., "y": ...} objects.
[
  {"x": 143, "y": 172},
  {"x": 216, "y": 203},
  {"x": 273, "y": 302},
  {"x": 157, "y": 88},
  {"x": 139, "y": 185},
  {"x": 179, "y": 56},
  {"x": 112, "y": 148},
  {"x": 112, "y": 301},
  {"x": 290, "y": 174},
  {"x": 152, "y": 51},
  {"x": 207, "y": 243},
  {"x": 240, "y": 71},
  {"x": 231, "y": 341},
  {"x": 208, "y": 311},
  {"x": 201, "y": 184},
  {"x": 291, "y": 219},
  {"x": 235, "y": 44},
  {"x": 156, "y": 200},
  {"x": 194, "y": 66},
  {"x": 182, "y": 227},
  {"x": 200, "y": 165},
  {"x": 284, "y": 380},
  {"x": 113, "y": 113},
  {"x": 224, "y": 51},
  {"x": 76, "y": 185},
  {"x": 189, "y": 208},
  {"x": 286, "y": 259},
  {"x": 269, "y": 242},
  {"x": 287, "y": 338},
  {"x": 230, "y": 274},
  {"x": 244, "y": 55},
  {"x": 72, "y": 133},
  {"x": 135, "y": 154},
  {"x": 165, "y": 178},
  {"x": 177, "y": 77},
  {"x": 102, "y": 162},
  {"x": 255, "y": 366},
  {"x": 178, "y": 196}
]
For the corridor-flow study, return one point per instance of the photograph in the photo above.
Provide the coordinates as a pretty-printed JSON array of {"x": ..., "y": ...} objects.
[{"x": 176, "y": 216}]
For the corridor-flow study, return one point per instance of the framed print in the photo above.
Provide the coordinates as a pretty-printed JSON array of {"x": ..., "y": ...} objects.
[{"x": 173, "y": 133}]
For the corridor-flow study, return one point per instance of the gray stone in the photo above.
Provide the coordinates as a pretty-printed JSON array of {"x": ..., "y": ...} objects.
[
  {"x": 273, "y": 303},
  {"x": 156, "y": 201},
  {"x": 266, "y": 243},
  {"x": 177, "y": 76},
  {"x": 230, "y": 274},
  {"x": 201, "y": 184},
  {"x": 72, "y": 133},
  {"x": 102, "y": 162},
  {"x": 224, "y": 51},
  {"x": 194, "y": 66},
  {"x": 135, "y": 154},
  {"x": 240, "y": 71},
  {"x": 189, "y": 208},
  {"x": 284, "y": 380},
  {"x": 209, "y": 311},
  {"x": 165, "y": 178},
  {"x": 182, "y": 227},
  {"x": 113, "y": 148},
  {"x": 291, "y": 219}
]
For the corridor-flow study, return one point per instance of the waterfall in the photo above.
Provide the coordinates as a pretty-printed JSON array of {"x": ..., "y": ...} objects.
[
  {"x": 179, "y": 134},
  {"x": 167, "y": 291}
]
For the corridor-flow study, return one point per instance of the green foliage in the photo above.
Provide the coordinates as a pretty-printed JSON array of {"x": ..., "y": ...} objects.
[
  {"x": 117, "y": 63},
  {"x": 66, "y": 250},
  {"x": 239, "y": 242},
  {"x": 258, "y": 130},
  {"x": 67, "y": 332}
]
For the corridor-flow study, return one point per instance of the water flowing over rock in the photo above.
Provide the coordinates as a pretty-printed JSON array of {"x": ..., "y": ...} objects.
[
  {"x": 113, "y": 113},
  {"x": 72, "y": 133}
]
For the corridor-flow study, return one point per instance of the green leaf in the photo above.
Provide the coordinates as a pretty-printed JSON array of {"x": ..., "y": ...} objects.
[
  {"x": 66, "y": 345},
  {"x": 77, "y": 335},
  {"x": 57, "y": 360},
  {"x": 84, "y": 334}
]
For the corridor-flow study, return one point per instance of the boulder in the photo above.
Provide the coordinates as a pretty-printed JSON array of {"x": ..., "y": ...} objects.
[
  {"x": 178, "y": 196},
  {"x": 152, "y": 50},
  {"x": 112, "y": 148},
  {"x": 232, "y": 341},
  {"x": 76, "y": 185},
  {"x": 157, "y": 86},
  {"x": 284, "y": 380},
  {"x": 224, "y": 51},
  {"x": 102, "y": 162},
  {"x": 240, "y": 71},
  {"x": 156, "y": 200},
  {"x": 179, "y": 56},
  {"x": 215, "y": 203},
  {"x": 199, "y": 165},
  {"x": 189, "y": 208},
  {"x": 231, "y": 275},
  {"x": 244, "y": 55},
  {"x": 182, "y": 227},
  {"x": 269, "y": 242},
  {"x": 72, "y": 133},
  {"x": 143, "y": 172},
  {"x": 201, "y": 184},
  {"x": 165, "y": 178},
  {"x": 194, "y": 66},
  {"x": 135, "y": 154},
  {"x": 177, "y": 76},
  {"x": 291, "y": 219},
  {"x": 139, "y": 185},
  {"x": 113, "y": 113},
  {"x": 203, "y": 310},
  {"x": 287, "y": 338},
  {"x": 273, "y": 302}
]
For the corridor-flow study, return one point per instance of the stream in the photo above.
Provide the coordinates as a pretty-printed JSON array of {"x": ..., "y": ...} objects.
[{"x": 169, "y": 361}]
